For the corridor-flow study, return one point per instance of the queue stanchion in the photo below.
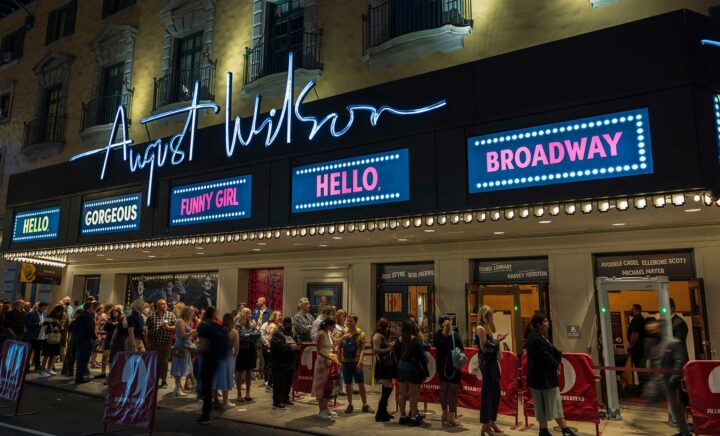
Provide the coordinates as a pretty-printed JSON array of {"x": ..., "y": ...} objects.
[{"x": 15, "y": 356}]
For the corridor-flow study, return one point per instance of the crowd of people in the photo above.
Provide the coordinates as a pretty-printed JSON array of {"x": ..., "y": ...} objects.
[{"x": 211, "y": 355}]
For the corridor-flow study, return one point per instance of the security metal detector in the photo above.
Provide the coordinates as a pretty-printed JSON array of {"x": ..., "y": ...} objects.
[{"x": 605, "y": 285}]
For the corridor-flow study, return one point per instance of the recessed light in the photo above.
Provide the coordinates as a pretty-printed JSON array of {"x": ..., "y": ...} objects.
[
  {"x": 498, "y": 233},
  {"x": 262, "y": 243},
  {"x": 545, "y": 222},
  {"x": 256, "y": 249},
  {"x": 99, "y": 255},
  {"x": 151, "y": 256},
  {"x": 429, "y": 230},
  {"x": 337, "y": 238},
  {"x": 200, "y": 253},
  {"x": 618, "y": 224},
  {"x": 322, "y": 245},
  {"x": 199, "y": 248},
  {"x": 693, "y": 210},
  {"x": 145, "y": 251},
  {"x": 109, "y": 259},
  {"x": 402, "y": 239}
]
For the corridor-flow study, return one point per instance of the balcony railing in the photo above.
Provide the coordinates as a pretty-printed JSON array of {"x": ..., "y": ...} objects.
[
  {"x": 266, "y": 59},
  {"x": 45, "y": 129},
  {"x": 399, "y": 17},
  {"x": 178, "y": 85},
  {"x": 101, "y": 110}
]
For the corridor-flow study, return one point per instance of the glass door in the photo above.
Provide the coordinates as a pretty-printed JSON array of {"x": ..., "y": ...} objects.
[
  {"x": 698, "y": 313},
  {"x": 392, "y": 304}
]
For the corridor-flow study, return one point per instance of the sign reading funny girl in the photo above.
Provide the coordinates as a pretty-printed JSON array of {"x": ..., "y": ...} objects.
[
  {"x": 601, "y": 147},
  {"x": 180, "y": 148},
  {"x": 357, "y": 181},
  {"x": 216, "y": 200}
]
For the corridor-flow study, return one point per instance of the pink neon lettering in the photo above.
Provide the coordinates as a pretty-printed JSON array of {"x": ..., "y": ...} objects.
[
  {"x": 321, "y": 185},
  {"x": 506, "y": 157},
  {"x": 345, "y": 188},
  {"x": 557, "y": 152},
  {"x": 539, "y": 156},
  {"x": 613, "y": 142},
  {"x": 522, "y": 151},
  {"x": 356, "y": 187},
  {"x": 334, "y": 183},
  {"x": 337, "y": 183},
  {"x": 491, "y": 157},
  {"x": 370, "y": 171},
  {"x": 596, "y": 147},
  {"x": 184, "y": 207},
  {"x": 576, "y": 151}
]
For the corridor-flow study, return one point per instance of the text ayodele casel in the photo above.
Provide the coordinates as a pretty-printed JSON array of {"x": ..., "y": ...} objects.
[{"x": 178, "y": 149}]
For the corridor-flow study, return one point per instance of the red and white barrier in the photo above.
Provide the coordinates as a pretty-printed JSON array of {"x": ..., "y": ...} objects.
[
  {"x": 702, "y": 379},
  {"x": 303, "y": 375},
  {"x": 131, "y": 397}
]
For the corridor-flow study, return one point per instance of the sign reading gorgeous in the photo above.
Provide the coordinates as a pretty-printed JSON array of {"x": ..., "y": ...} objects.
[
  {"x": 36, "y": 225},
  {"x": 357, "y": 181},
  {"x": 217, "y": 200},
  {"x": 111, "y": 215},
  {"x": 180, "y": 147},
  {"x": 603, "y": 147}
]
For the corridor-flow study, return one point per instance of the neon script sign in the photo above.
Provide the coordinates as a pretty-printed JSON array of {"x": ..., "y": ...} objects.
[
  {"x": 601, "y": 147},
  {"x": 357, "y": 181},
  {"x": 180, "y": 148}
]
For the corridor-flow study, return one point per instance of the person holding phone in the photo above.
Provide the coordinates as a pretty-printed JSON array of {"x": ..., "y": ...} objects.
[{"x": 489, "y": 349}]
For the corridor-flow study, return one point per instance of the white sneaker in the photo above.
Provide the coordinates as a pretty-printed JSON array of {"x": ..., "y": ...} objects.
[
  {"x": 333, "y": 413},
  {"x": 51, "y": 372},
  {"x": 43, "y": 374},
  {"x": 179, "y": 393},
  {"x": 227, "y": 406},
  {"x": 324, "y": 416}
]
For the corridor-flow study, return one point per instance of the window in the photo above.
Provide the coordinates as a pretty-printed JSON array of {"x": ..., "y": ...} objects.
[
  {"x": 187, "y": 65},
  {"x": 111, "y": 95},
  {"x": 5, "y": 101},
  {"x": 52, "y": 113},
  {"x": 12, "y": 46},
  {"x": 112, "y": 6},
  {"x": 284, "y": 33},
  {"x": 61, "y": 22}
]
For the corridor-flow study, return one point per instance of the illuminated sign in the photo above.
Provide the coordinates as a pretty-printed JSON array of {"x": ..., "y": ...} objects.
[
  {"x": 180, "y": 147},
  {"x": 217, "y": 200},
  {"x": 36, "y": 225},
  {"x": 111, "y": 215},
  {"x": 602, "y": 147},
  {"x": 357, "y": 181},
  {"x": 716, "y": 102}
]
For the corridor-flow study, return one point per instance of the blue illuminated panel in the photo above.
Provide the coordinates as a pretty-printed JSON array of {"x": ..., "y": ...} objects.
[
  {"x": 36, "y": 225},
  {"x": 716, "y": 101},
  {"x": 207, "y": 202},
  {"x": 356, "y": 181},
  {"x": 602, "y": 147},
  {"x": 111, "y": 215}
]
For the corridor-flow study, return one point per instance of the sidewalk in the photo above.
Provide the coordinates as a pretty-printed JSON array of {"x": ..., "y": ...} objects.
[{"x": 302, "y": 416}]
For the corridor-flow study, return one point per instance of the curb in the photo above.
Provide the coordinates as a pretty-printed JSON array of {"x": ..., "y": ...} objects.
[{"x": 241, "y": 421}]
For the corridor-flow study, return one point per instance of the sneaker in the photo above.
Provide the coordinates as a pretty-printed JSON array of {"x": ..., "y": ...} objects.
[
  {"x": 268, "y": 389},
  {"x": 278, "y": 406},
  {"x": 43, "y": 374},
  {"x": 404, "y": 420},
  {"x": 51, "y": 372},
  {"x": 367, "y": 409},
  {"x": 203, "y": 420},
  {"x": 414, "y": 422},
  {"x": 333, "y": 413},
  {"x": 349, "y": 409},
  {"x": 324, "y": 416},
  {"x": 163, "y": 385},
  {"x": 227, "y": 406}
]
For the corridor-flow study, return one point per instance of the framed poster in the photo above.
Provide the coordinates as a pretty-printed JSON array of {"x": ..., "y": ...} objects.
[
  {"x": 198, "y": 289},
  {"x": 323, "y": 294}
]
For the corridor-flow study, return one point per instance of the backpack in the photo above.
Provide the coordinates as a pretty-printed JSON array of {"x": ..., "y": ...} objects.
[{"x": 350, "y": 346}]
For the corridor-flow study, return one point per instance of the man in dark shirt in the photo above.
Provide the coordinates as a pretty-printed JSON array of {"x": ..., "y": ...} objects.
[
  {"x": 283, "y": 349},
  {"x": 15, "y": 318},
  {"x": 84, "y": 341},
  {"x": 636, "y": 340},
  {"x": 212, "y": 347}
]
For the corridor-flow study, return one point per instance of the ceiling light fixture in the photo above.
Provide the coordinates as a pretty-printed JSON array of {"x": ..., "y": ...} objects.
[
  {"x": 544, "y": 222},
  {"x": 498, "y": 233},
  {"x": 618, "y": 224},
  {"x": 692, "y": 210}
]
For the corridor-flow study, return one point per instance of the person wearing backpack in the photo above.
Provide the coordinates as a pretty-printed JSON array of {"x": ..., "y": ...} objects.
[
  {"x": 352, "y": 353},
  {"x": 446, "y": 340},
  {"x": 488, "y": 355}
]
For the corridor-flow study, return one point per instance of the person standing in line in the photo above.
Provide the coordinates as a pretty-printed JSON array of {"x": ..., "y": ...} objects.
[
  {"x": 303, "y": 320},
  {"x": 33, "y": 330},
  {"x": 352, "y": 353},
  {"x": 213, "y": 345},
  {"x": 262, "y": 312},
  {"x": 135, "y": 325},
  {"x": 412, "y": 370},
  {"x": 446, "y": 340},
  {"x": 51, "y": 346},
  {"x": 490, "y": 349},
  {"x": 161, "y": 326},
  {"x": 84, "y": 336},
  {"x": 325, "y": 359},
  {"x": 247, "y": 353},
  {"x": 182, "y": 363},
  {"x": 326, "y": 312},
  {"x": 267, "y": 330},
  {"x": 385, "y": 368},
  {"x": 109, "y": 328},
  {"x": 680, "y": 332},
  {"x": 543, "y": 361},
  {"x": 636, "y": 339},
  {"x": 223, "y": 380},
  {"x": 283, "y": 351},
  {"x": 15, "y": 318}
]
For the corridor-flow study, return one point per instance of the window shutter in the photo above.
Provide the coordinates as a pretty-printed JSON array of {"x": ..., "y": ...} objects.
[
  {"x": 70, "y": 20},
  {"x": 52, "y": 25}
]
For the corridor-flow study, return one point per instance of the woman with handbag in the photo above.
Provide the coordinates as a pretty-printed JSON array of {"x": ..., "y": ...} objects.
[
  {"x": 51, "y": 346},
  {"x": 543, "y": 367},
  {"x": 108, "y": 328},
  {"x": 247, "y": 354},
  {"x": 488, "y": 355},
  {"x": 182, "y": 365},
  {"x": 412, "y": 370},
  {"x": 385, "y": 367},
  {"x": 446, "y": 340},
  {"x": 325, "y": 375}
]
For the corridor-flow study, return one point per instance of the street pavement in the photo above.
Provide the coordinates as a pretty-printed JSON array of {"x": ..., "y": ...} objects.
[{"x": 176, "y": 415}]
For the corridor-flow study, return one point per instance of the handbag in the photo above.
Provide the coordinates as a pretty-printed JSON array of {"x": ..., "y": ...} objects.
[
  {"x": 178, "y": 352},
  {"x": 54, "y": 337},
  {"x": 458, "y": 356},
  {"x": 492, "y": 347},
  {"x": 386, "y": 362}
]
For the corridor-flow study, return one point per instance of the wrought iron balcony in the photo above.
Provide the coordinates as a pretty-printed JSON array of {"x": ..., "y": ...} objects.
[
  {"x": 45, "y": 130},
  {"x": 178, "y": 85},
  {"x": 272, "y": 58},
  {"x": 101, "y": 110},
  {"x": 399, "y": 17}
]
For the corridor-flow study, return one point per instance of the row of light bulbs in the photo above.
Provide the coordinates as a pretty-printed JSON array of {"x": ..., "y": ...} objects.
[{"x": 58, "y": 255}]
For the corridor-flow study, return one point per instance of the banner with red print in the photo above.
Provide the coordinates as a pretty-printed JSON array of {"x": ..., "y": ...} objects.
[
  {"x": 266, "y": 283},
  {"x": 12, "y": 369},
  {"x": 702, "y": 378},
  {"x": 131, "y": 397},
  {"x": 471, "y": 382},
  {"x": 577, "y": 388},
  {"x": 303, "y": 375}
]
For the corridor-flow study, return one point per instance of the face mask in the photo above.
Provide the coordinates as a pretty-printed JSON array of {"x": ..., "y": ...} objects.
[{"x": 126, "y": 311}]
